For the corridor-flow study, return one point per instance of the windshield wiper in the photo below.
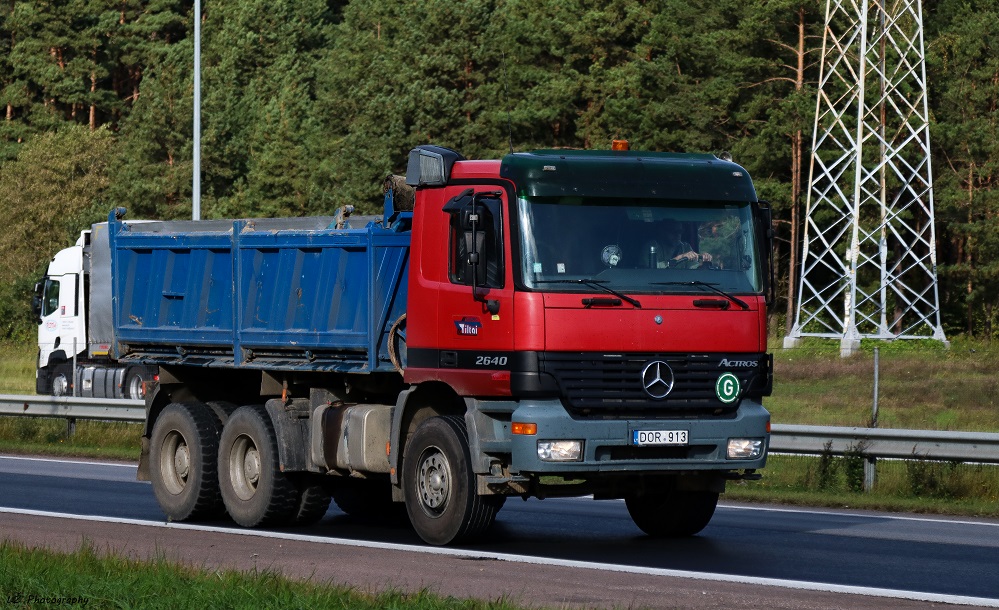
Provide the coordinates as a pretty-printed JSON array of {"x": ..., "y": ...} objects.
[
  {"x": 713, "y": 287},
  {"x": 598, "y": 284}
]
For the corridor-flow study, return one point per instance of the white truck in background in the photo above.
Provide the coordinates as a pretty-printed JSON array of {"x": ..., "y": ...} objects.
[{"x": 74, "y": 334}]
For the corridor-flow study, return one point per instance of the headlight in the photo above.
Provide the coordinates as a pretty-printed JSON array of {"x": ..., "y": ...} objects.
[
  {"x": 745, "y": 448},
  {"x": 560, "y": 451}
]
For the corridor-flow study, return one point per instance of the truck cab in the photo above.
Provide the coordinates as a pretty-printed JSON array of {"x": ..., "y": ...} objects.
[
  {"x": 59, "y": 307},
  {"x": 601, "y": 318}
]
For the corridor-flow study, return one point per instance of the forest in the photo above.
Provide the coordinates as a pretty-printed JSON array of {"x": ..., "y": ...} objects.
[{"x": 308, "y": 104}]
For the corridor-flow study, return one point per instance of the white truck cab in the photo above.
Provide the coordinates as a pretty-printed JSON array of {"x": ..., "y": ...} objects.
[
  {"x": 73, "y": 337},
  {"x": 61, "y": 319}
]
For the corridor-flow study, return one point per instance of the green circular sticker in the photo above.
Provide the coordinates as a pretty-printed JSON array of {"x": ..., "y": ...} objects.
[{"x": 727, "y": 388}]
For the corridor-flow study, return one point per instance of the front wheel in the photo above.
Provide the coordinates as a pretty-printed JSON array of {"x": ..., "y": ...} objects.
[
  {"x": 183, "y": 448},
  {"x": 672, "y": 514},
  {"x": 254, "y": 489},
  {"x": 439, "y": 484}
]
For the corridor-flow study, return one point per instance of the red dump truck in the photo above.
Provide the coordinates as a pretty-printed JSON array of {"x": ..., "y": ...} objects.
[{"x": 554, "y": 323}]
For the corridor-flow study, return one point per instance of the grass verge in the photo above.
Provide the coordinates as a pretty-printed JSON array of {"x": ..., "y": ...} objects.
[
  {"x": 17, "y": 368},
  {"x": 912, "y": 486},
  {"x": 38, "y": 578},
  {"x": 91, "y": 439},
  {"x": 921, "y": 385}
]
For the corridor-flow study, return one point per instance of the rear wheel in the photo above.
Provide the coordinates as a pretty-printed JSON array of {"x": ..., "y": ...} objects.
[
  {"x": 183, "y": 454},
  {"x": 439, "y": 484},
  {"x": 254, "y": 490},
  {"x": 672, "y": 514},
  {"x": 313, "y": 502}
]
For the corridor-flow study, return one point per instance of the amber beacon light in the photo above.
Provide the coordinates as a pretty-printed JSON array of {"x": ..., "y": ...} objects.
[{"x": 619, "y": 145}]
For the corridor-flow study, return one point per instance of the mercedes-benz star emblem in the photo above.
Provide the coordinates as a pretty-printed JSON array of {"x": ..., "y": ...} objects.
[{"x": 657, "y": 379}]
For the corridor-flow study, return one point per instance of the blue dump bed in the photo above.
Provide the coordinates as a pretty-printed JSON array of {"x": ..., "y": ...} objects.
[{"x": 279, "y": 294}]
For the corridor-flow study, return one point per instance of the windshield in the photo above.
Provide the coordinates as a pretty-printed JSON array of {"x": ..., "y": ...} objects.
[{"x": 651, "y": 246}]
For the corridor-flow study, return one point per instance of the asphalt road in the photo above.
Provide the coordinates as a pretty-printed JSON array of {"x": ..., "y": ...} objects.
[{"x": 946, "y": 557}]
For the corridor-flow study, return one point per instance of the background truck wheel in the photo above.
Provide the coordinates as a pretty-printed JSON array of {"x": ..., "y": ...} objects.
[
  {"x": 672, "y": 514},
  {"x": 254, "y": 490},
  {"x": 61, "y": 382},
  {"x": 440, "y": 487},
  {"x": 136, "y": 378},
  {"x": 368, "y": 500},
  {"x": 183, "y": 455}
]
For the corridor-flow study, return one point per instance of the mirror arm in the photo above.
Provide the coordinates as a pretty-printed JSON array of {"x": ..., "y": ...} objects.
[{"x": 492, "y": 305}]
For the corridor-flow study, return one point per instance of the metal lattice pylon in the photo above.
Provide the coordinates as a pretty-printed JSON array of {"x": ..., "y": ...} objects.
[{"x": 869, "y": 255}]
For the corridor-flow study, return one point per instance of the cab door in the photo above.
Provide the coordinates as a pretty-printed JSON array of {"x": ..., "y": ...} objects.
[
  {"x": 49, "y": 311},
  {"x": 475, "y": 321}
]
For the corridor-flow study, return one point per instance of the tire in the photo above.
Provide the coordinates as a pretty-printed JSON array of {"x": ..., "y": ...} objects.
[
  {"x": 43, "y": 382},
  {"x": 439, "y": 485},
  {"x": 368, "y": 501},
  {"x": 313, "y": 502},
  {"x": 254, "y": 490},
  {"x": 673, "y": 514},
  {"x": 136, "y": 378},
  {"x": 222, "y": 410},
  {"x": 183, "y": 459}
]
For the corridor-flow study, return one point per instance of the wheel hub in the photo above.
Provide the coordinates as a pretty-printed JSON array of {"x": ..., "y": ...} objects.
[
  {"x": 60, "y": 386},
  {"x": 137, "y": 388},
  {"x": 244, "y": 467},
  {"x": 175, "y": 462},
  {"x": 182, "y": 461},
  {"x": 434, "y": 483},
  {"x": 251, "y": 467}
]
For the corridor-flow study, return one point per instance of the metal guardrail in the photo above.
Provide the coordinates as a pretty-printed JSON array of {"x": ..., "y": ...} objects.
[
  {"x": 68, "y": 407},
  {"x": 982, "y": 447}
]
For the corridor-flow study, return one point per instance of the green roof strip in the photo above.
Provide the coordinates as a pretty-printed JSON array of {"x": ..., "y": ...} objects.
[{"x": 603, "y": 173}]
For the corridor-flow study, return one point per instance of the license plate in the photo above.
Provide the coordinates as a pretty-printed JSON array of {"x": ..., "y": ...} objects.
[{"x": 659, "y": 437}]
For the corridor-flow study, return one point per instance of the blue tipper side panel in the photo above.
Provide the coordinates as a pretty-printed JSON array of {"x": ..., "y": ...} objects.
[{"x": 277, "y": 294}]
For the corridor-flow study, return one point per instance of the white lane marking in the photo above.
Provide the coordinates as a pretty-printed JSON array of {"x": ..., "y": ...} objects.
[
  {"x": 941, "y": 519},
  {"x": 59, "y": 461},
  {"x": 568, "y": 563}
]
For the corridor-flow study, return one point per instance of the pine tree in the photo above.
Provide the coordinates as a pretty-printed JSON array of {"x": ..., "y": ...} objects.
[
  {"x": 260, "y": 60},
  {"x": 780, "y": 51},
  {"x": 152, "y": 174},
  {"x": 963, "y": 66}
]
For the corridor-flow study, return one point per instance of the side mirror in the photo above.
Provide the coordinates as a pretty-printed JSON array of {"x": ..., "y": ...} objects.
[
  {"x": 765, "y": 237},
  {"x": 36, "y": 302},
  {"x": 474, "y": 220}
]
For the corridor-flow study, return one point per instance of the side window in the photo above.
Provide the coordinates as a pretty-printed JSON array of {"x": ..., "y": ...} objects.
[
  {"x": 476, "y": 226},
  {"x": 50, "y": 300}
]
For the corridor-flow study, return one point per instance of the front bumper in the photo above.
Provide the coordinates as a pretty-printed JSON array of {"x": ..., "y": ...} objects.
[{"x": 607, "y": 443}]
